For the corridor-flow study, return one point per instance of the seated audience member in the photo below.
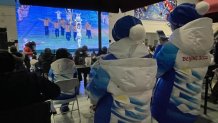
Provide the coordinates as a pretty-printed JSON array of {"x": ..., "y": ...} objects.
[
  {"x": 33, "y": 62},
  {"x": 19, "y": 59},
  {"x": 63, "y": 68},
  {"x": 182, "y": 66},
  {"x": 103, "y": 51},
  {"x": 122, "y": 81},
  {"x": 45, "y": 60},
  {"x": 22, "y": 88},
  {"x": 80, "y": 60}
]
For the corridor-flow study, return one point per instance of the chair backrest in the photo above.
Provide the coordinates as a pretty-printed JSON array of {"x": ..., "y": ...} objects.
[
  {"x": 34, "y": 113},
  {"x": 67, "y": 86}
]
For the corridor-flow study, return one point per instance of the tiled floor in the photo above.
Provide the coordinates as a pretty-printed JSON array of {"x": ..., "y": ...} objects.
[
  {"x": 87, "y": 117},
  {"x": 212, "y": 112}
]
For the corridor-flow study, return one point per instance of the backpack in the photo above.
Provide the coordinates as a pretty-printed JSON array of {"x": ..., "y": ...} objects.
[
  {"x": 81, "y": 60},
  {"x": 80, "y": 57}
]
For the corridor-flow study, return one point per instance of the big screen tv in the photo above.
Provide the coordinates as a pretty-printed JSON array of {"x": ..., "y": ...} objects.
[{"x": 60, "y": 27}]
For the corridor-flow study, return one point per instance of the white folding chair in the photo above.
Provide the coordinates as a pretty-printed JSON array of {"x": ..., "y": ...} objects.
[{"x": 68, "y": 86}]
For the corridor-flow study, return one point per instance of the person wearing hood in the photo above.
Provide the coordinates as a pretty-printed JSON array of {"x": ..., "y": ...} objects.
[
  {"x": 122, "y": 81},
  {"x": 62, "y": 69},
  {"x": 182, "y": 66}
]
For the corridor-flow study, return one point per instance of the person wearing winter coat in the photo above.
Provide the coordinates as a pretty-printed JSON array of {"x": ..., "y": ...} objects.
[
  {"x": 182, "y": 66},
  {"x": 45, "y": 60},
  {"x": 122, "y": 81}
]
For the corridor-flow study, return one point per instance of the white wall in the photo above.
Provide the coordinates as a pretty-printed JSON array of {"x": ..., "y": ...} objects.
[
  {"x": 186, "y": 1},
  {"x": 8, "y": 20},
  {"x": 150, "y": 26}
]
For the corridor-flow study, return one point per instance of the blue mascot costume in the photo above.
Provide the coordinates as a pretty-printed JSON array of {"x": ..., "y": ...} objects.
[
  {"x": 182, "y": 65},
  {"x": 122, "y": 81}
]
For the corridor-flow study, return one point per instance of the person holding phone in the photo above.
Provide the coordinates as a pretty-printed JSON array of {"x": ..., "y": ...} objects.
[{"x": 162, "y": 40}]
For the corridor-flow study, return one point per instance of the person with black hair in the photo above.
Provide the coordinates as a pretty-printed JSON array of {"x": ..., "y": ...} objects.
[
  {"x": 80, "y": 61},
  {"x": 63, "y": 68},
  {"x": 22, "y": 86},
  {"x": 19, "y": 58},
  {"x": 29, "y": 48},
  {"x": 45, "y": 60}
]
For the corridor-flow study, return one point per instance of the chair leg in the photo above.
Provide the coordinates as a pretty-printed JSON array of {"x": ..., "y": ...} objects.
[
  {"x": 71, "y": 113},
  {"x": 52, "y": 108},
  {"x": 53, "y": 118},
  {"x": 73, "y": 105},
  {"x": 78, "y": 107},
  {"x": 72, "y": 109}
]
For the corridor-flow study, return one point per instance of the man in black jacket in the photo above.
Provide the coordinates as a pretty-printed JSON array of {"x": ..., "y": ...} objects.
[
  {"x": 22, "y": 88},
  {"x": 45, "y": 60}
]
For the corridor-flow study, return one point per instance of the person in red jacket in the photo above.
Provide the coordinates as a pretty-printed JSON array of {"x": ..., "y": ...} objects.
[{"x": 29, "y": 48}]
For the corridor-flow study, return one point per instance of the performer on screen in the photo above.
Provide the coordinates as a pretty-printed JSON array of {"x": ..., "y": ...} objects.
[
  {"x": 68, "y": 31},
  {"x": 56, "y": 27},
  {"x": 79, "y": 34},
  {"x": 74, "y": 31},
  {"x": 46, "y": 22},
  {"x": 58, "y": 15},
  {"x": 78, "y": 21},
  {"x": 62, "y": 23},
  {"x": 69, "y": 16},
  {"x": 88, "y": 30}
]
